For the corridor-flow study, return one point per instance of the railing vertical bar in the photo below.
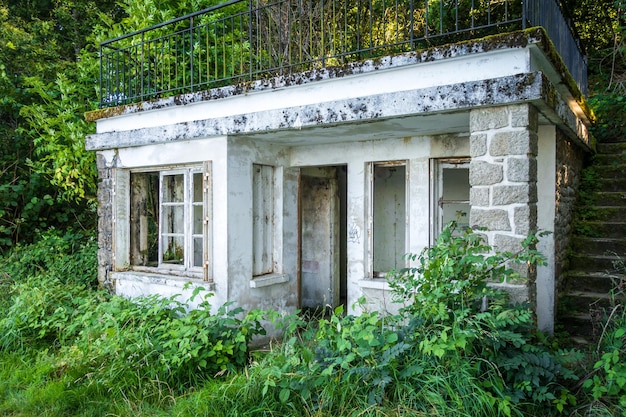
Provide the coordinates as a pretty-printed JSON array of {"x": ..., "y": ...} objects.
[
  {"x": 371, "y": 24},
  {"x": 223, "y": 52},
  {"x": 440, "y": 17},
  {"x": 426, "y": 22},
  {"x": 191, "y": 54},
  {"x": 100, "y": 85},
  {"x": 142, "y": 66},
  {"x": 323, "y": 34},
  {"x": 412, "y": 23}
]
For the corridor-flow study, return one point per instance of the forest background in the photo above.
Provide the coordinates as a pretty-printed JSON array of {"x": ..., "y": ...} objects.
[
  {"x": 67, "y": 348},
  {"x": 49, "y": 69}
]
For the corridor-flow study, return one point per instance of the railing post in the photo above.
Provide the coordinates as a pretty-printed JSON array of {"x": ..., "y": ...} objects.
[
  {"x": 251, "y": 52},
  {"x": 100, "y": 80},
  {"x": 191, "y": 57},
  {"x": 412, "y": 30},
  {"x": 141, "y": 62}
]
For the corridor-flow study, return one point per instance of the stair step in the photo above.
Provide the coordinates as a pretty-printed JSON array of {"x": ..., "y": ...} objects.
[
  {"x": 596, "y": 263},
  {"x": 615, "y": 214},
  {"x": 599, "y": 245},
  {"x": 578, "y": 325},
  {"x": 608, "y": 159},
  {"x": 616, "y": 148},
  {"x": 612, "y": 184},
  {"x": 611, "y": 139},
  {"x": 593, "y": 282},
  {"x": 610, "y": 198},
  {"x": 583, "y": 301},
  {"x": 605, "y": 229},
  {"x": 613, "y": 171}
]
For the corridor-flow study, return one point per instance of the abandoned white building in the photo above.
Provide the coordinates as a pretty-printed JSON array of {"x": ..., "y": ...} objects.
[{"x": 287, "y": 154}]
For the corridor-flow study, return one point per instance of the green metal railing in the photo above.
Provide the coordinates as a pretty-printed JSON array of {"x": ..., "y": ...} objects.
[{"x": 240, "y": 41}]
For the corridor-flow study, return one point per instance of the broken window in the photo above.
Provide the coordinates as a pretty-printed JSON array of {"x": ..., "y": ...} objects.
[
  {"x": 262, "y": 219},
  {"x": 169, "y": 219},
  {"x": 389, "y": 218},
  {"x": 452, "y": 193}
]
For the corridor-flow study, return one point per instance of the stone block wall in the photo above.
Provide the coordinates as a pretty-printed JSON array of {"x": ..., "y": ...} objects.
[
  {"x": 569, "y": 164},
  {"x": 503, "y": 180},
  {"x": 105, "y": 221}
]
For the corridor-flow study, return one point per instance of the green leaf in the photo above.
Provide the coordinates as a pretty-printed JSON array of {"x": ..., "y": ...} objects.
[{"x": 283, "y": 396}]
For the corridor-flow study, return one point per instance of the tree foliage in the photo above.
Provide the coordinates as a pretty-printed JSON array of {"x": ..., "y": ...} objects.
[
  {"x": 44, "y": 94},
  {"x": 49, "y": 69}
]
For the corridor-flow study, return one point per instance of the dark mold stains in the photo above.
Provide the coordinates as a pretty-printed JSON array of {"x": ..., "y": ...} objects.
[{"x": 518, "y": 39}]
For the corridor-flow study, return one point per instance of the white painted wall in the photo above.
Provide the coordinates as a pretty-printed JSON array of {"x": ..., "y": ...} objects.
[
  {"x": 357, "y": 155},
  {"x": 190, "y": 152},
  {"x": 546, "y": 212},
  {"x": 395, "y": 78}
]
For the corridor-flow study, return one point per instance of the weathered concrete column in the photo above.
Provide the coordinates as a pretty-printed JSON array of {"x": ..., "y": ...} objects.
[
  {"x": 503, "y": 180},
  {"x": 105, "y": 220}
]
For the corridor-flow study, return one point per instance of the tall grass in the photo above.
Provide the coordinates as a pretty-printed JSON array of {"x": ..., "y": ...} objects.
[{"x": 67, "y": 348}]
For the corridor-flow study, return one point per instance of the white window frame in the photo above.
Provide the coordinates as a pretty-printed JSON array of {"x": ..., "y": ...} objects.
[
  {"x": 437, "y": 188},
  {"x": 122, "y": 220},
  {"x": 371, "y": 166}
]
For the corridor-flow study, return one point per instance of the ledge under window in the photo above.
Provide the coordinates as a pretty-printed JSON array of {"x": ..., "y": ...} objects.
[
  {"x": 268, "y": 279},
  {"x": 375, "y": 284},
  {"x": 136, "y": 284}
]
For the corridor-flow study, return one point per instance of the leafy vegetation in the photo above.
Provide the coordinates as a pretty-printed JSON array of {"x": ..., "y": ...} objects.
[
  {"x": 49, "y": 72},
  {"x": 67, "y": 347}
]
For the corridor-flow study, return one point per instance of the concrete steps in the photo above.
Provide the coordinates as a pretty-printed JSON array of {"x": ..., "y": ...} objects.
[{"x": 598, "y": 260}]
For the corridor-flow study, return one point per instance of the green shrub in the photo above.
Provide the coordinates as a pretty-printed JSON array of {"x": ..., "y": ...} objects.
[
  {"x": 447, "y": 352},
  {"x": 605, "y": 384},
  {"x": 49, "y": 285},
  {"x": 459, "y": 318},
  {"x": 69, "y": 256},
  {"x": 129, "y": 343}
]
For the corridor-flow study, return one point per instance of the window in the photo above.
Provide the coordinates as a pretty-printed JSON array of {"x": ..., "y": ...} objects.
[
  {"x": 451, "y": 193},
  {"x": 389, "y": 219},
  {"x": 262, "y": 219},
  {"x": 169, "y": 220}
]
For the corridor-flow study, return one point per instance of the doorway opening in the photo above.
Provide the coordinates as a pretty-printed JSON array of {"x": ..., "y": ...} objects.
[{"x": 323, "y": 237}]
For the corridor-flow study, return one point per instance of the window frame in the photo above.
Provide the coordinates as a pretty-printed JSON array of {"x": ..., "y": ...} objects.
[
  {"x": 371, "y": 167},
  {"x": 437, "y": 188},
  {"x": 263, "y": 232},
  {"x": 122, "y": 224}
]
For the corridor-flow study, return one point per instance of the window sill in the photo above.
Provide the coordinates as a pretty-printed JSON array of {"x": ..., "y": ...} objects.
[
  {"x": 375, "y": 284},
  {"x": 267, "y": 280},
  {"x": 156, "y": 279}
]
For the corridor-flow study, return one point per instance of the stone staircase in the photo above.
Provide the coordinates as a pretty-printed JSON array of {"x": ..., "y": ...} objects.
[{"x": 598, "y": 249}]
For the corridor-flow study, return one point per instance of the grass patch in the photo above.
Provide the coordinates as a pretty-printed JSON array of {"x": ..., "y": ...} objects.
[{"x": 69, "y": 349}]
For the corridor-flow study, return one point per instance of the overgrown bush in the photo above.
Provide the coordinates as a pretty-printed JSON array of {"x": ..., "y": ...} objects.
[
  {"x": 605, "y": 384},
  {"x": 456, "y": 347},
  {"x": 52, "y": 304},
  {"x": 127, "y": 343},
  {"x": 48, "y": 284}
]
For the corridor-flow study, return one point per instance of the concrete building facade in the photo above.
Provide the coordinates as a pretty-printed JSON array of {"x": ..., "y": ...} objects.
[{"x": 306, "y": 190}]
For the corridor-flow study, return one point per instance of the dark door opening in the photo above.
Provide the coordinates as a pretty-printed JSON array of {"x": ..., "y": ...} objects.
[{"x": 323, "y": 237}]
